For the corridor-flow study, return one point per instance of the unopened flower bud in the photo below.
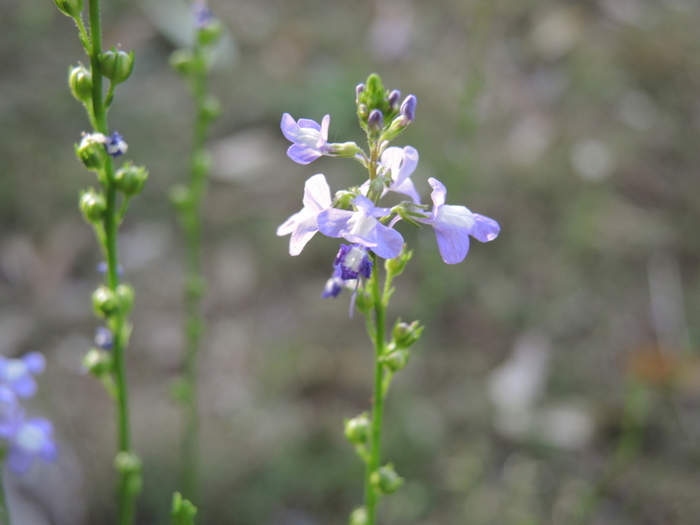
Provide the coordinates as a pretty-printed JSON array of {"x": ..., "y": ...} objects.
[
  {"x": 98, "y": 362},
  {"x": 397, "y": 265},
  {"x": 363, "y": 301},
  {"x": 125, "y": 295},
  {"x": 182, "y": 61},
  {"x": 182, "y": 511},
  {"x": 358, "y": 516},
  {"x": 396, "y": 360},
  {"x": 71, "y": 8},
  {"x": 130, "y": 179},
  {"x": 91, "y": 151},
  {"x": 357, "y": 429},
  {"x": 211, "y": 108},
  {"x": 375, "y": 121},
  {"x": 404, "y": 335},
  {"x": 362, "y": 111},
  {"x": 128, "y": 465},
  {"x": 210, "y": 33},
  {"x": 117, "y": 65},
  {"x": 408, "y": 109},
  {"x": 374, "y": 85},
  {"x": 105, "y": 301},
  {"x": 345, "y": 149},
  {"x": 359, "y": 89},
  {"x": 180, "y": 196},
  {"x": 93, "y": 205},
  {"x": 80, "y": 82},
  {"x": 394, "y": 99},
  {"x": 386, "y": 480}
]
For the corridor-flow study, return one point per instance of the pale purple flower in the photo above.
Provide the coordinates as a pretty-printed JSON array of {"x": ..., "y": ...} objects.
[
  {"x": 401, "y": 163},
  {"x": 104, "y": 338},
  {"x": 303, "y": 225},
  {"x": 18, "y": 374},
  {"x": 454, "y": 224},
  {"x": 362, "y": 227},
  {"x": 310, "y": 139},
  {"x": 32, "y": 439},
  {"x": 202, "y": 15},
  {"x": 334, "y": 285},
  {"x": 11, "y": 412}
]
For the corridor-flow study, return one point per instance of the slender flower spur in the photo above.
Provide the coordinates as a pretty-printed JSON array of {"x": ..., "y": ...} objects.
[{"x": 355, "y": 215}]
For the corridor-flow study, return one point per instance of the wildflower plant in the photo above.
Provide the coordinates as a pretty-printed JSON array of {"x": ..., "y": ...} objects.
[
  {"x": 104, "y": 208},
  {"x": 194, "y": 66},
  {"x": 356, "y": 216}
]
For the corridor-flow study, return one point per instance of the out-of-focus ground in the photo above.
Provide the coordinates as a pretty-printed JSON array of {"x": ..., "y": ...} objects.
[{"x": 558, "y": 379}]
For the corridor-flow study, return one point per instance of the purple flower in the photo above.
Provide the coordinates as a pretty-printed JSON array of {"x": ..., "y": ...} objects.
[
  {"x": 32, "y": 439},
  {"x": 18, "y": 374},
  {"x": 454, "y": 224},
  {"x": 310, "y": 140},
  {"x": 202, "y": 15},
  {"x": 104, "y": 338},
  {"x": 362, "y": 227},
  {"x": 334, "y": 285},
  {"x": 115, "y": 145},
  {"x": 11, "y": 412},
  {"x": 401, "y": 163},
  {"x": 303, "y": 225},
  {"x": 408, "y": 109},
  {"x": 353, "y": 261}
]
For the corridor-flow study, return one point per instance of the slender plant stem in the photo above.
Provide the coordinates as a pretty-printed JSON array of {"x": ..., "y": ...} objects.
[
  {"x": 126, "y": 496},
  {"x": 378, "y": 337},
  {"x": 192, "y": 225},
  {"x": 4, "y": 513}
]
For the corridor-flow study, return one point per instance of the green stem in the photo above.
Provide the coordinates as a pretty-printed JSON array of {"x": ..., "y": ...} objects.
[
  {"x": 4, "y": 513},
  {"x": 378, "y": 337},
  {"x": 126, "y": 494},
  {"x": 192, "y": 225}
]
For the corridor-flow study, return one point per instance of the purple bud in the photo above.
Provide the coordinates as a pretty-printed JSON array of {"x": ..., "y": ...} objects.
[
  {"x": 104, "y": 338},
  {"x": 408, "y": 108},
  {"x": 359, "y": 89},
  {"x": 375, "y": 121},
  {"x": 394, "y": 98}
]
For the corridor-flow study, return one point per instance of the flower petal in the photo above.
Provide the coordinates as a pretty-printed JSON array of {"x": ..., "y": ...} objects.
[
  {"x": 333, "y": 222},
  {"x": 317, "y": 193},
  {"x": 439, "y": 192},
  {"x": 305, "y": 229},
  {"x": 453, "y": 242},
  {"x": 289, "y": 127},
  {"x": 302, "y": 154},
  {"x": 19, "y": 460},
  {"x": 35, "y": 361},
  {"x": 485, "y": 229}
]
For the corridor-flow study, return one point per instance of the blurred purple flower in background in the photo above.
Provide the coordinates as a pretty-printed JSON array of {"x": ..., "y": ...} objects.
[
  {"x": 32, "y": 439},
  {"x": 18, "y": 374}
]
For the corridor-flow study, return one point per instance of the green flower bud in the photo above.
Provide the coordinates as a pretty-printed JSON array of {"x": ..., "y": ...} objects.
[
  {"x": 80, "y": 82},
  {"x": 397, "y": 265},
  {"x": 71, "y": 8},
  {"x": 385, "y": 480},
  {"x": 363, "y": 301},
  {"x": 93, "y": 205},
  {"x": 182, "y": 61},
  {"x": 344, "y": 198},
  {"x": 210, "y": 33},
  {"x": 376, "y": 188},
  {"x": 358, "y": 516},
  {"x": 404, "y": 335},
  {"x": 98, "y": 362},
  {"x": 105, "y": 302},
  {"x": 91, "y": 151},
  {"x": 130, "y": 179},
  {"x": 211, "y": 109},
  {"x": 129, "y": 465},
  {"x": 396, "y": 360},
  {"x": 362, "y": 112},
  {"x": 183, "y": 511},
  {"x": 117, "y": 65},
  {"x": 345, "y": 149},
  {"x": 125, "y": 295},
  {"x": 180, "y": 196},
  {"x": 357, "y": 429}
]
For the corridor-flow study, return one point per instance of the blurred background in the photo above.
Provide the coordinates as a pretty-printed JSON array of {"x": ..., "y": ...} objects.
[{"x": 557, "y": 381}]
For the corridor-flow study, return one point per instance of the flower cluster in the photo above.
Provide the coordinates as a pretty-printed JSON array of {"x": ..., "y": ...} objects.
[
  {"x": 26, "y": 438},
  {"x": 355, "y": 214}
]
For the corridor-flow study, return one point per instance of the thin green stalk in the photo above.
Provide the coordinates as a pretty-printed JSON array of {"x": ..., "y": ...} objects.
[
  {"x": 378, "y": 337},
  {"x": 126, "y": 492},
  {"x": 4, "y": 513},
  {"x": 192, "y": 226}
]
